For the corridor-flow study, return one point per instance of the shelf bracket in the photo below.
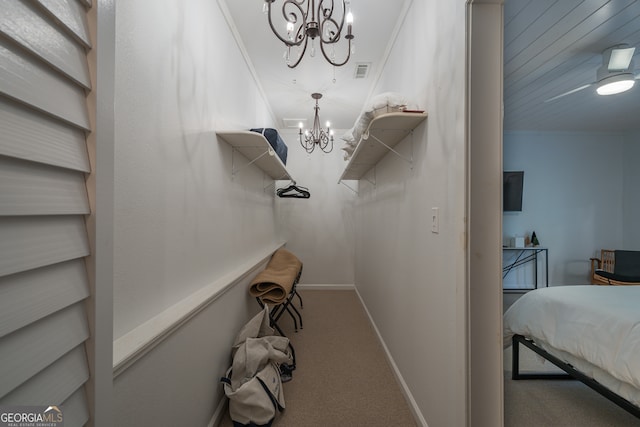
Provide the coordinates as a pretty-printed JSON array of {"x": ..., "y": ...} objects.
[
  {"x": 372, "y": 182},
  {"x": 265, "y": 187},
  {"x": 234, "y": 170},
  {"x": 406, "y": 159},
  {"x": 283, "y": 177},
  {"x": 349, "y": 187}
]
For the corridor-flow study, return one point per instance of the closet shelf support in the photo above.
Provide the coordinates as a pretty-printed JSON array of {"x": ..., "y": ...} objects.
[
  {"x": 372, "y": 181},
  {"x": 234, "y": 170},
  {"x": 406, "y": 159},
  {"x": 273, "y": 181},
  {"x": 265, "y": 187},
  {"x": 348, "y": 186}
]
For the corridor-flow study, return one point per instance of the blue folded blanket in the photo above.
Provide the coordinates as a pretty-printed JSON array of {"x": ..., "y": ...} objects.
[{"x": 276, "y": 142}]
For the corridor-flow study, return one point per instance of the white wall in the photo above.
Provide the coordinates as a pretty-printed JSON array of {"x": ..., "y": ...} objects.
[
  {"x": 631, "y": 225},
  {"x": 177, "y": 384},
  {"x": 180, "y": 221},
  {"x": 319, "y": 230},
  {"x": 574, "y": 189},
  {"x": 412, "y": 280}
]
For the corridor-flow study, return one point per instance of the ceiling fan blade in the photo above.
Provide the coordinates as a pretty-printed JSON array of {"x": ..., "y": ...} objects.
[
  {"x": 569, "y": 93},
  {"x": 620, "y": 58}
]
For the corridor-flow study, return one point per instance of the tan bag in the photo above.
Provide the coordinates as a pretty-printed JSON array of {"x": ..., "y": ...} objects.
[
  {"x": 253, "y": 383},
  {"x": 256, "y": 401}
]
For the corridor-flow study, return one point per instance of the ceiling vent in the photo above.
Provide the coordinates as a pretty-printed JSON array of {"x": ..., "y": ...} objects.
[
  {"x": 362, "y": 70},
  {"x": 294, "y": 123}
]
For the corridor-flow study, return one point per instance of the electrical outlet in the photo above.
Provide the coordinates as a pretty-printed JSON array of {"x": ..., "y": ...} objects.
[{"x": 435, "y": 220}]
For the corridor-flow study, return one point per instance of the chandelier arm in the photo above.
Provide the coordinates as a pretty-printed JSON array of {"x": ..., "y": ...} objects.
[
  {"x": 298, "y": 6},
  {"x": 305, "y": 24},
  {"x": 308, "y": 143},
  {"x": 325, "y": 143},
  {"x": 304, "y": 49},
  {"x": 336, "y": 64},
  {"x": 330, "y": 9},
  {"x": 309, "y": 147},
  {"x": 337, "y": 37},
  {"x": 328, "y": 18},
  {"x": 330, "y": 149}
]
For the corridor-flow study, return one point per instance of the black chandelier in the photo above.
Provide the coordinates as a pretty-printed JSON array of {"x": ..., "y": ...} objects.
[
  {"x": 303, "y": 21},
  {"x": 317, "y": 136}
]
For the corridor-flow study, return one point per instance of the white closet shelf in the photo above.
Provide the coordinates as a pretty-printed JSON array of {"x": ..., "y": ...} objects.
[
  {"x": 255, "y": 147},
  {"x": 384, "y": 133}
]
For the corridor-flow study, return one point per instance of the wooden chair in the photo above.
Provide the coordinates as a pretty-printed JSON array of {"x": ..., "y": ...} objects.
[
  {"x": 604, "y": 272},
  {"x": 605, "y": 262}
]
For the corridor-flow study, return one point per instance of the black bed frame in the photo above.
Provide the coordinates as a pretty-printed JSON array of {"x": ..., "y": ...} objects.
[{"x": 571, "y": 373}]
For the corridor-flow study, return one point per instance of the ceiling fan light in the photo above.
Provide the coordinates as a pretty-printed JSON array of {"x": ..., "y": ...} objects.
[
  {"x": 621, "y": 58},
  {"x": 616, "y": 84}
]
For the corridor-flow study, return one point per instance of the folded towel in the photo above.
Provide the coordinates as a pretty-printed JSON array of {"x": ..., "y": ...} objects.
[{"x": 273, "y": 284}]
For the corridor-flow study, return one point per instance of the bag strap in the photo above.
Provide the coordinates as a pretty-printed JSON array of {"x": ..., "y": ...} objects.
[
  {"x": 275, "y": 402},
  {"x": 227, "y": 378}
]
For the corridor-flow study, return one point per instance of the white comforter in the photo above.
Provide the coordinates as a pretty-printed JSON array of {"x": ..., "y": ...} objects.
[{"x": 595, "y": 328}]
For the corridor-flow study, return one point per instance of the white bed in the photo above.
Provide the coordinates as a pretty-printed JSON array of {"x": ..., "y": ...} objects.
[{"x": 595, "y": 329}]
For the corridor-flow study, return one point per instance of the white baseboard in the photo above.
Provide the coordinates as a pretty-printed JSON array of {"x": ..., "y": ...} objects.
[
  {"x": 320, "y": 287},
  {"x": 415, "y": 410},
  {"x": 216, "y": 419}
]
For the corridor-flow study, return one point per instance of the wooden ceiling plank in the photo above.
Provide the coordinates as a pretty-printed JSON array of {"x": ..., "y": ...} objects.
[{"x": 571, "y": 31}]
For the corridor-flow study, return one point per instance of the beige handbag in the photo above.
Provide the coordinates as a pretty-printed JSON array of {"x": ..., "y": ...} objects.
[
  {"x": 256, "y": 401},
  {"x": 253, "y": 383}
]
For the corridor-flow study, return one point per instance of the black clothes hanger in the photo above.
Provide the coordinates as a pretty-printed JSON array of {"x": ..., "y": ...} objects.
[{"x": 294, "y": 191}]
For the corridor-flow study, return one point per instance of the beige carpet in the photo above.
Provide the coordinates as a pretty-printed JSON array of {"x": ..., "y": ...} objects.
[
  {"x": 343, "y": 377},
  {"x": 565, "y": 403}
]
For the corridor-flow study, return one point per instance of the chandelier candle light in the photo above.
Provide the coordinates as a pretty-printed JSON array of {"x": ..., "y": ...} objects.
[
  {"x": 317, "y": 136},
  {"x": 304, "y": 21}
]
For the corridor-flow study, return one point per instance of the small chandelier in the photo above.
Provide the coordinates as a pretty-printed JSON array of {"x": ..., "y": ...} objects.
[
  {"x": 303, "y": 21},
  {"x": 317, "y": 136}
]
